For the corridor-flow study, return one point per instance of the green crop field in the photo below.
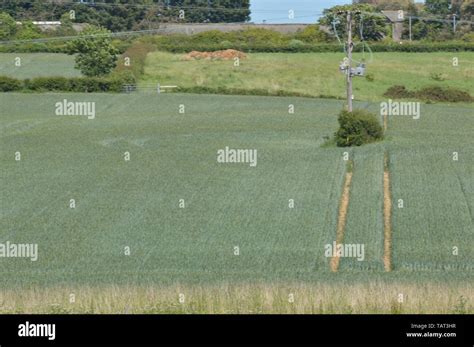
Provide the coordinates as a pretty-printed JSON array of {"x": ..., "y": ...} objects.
[
  {"x": 313, "y": 74},
  {"x": 30, "y": 65},
  {"x": 236, "y": 226}
]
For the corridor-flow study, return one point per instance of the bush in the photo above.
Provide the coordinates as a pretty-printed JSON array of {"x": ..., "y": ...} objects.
[
  {"x": 435, "y": 93},
  {"x": 296, "y": 44},
  {"x": 430, "y": 93},
  {"x": 8, "y": 84},
  {"x": 49, "y": 84},
  {"x": 226, "y": 44},
  {"x": 398, "y": 92},
  {"x": 357, "y": 128},
  {"x": 370, "y": 77},
  {"x": 211, "y": 36},
  {"x": 312, "y": 34}
]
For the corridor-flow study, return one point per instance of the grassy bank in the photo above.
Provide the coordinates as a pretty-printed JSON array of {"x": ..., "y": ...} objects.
[
  {"x": 246, "y": 299},
  {"x": 313, "y": 74}
]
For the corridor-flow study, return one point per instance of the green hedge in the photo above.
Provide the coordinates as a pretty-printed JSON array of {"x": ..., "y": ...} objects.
[
  {"x": 317, "y": 48},
  {"x": 113, "y": 83},
  {"x": 8, "y": 84},
  {"x": 52, "y": 47},
  {"x": 184, "y": 44}
]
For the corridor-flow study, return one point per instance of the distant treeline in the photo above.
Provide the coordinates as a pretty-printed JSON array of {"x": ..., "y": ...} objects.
[{"x": 118, "y": 15}]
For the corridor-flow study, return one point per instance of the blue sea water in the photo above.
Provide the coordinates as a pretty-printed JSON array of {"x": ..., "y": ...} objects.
[{"x": 277, "y": 11}]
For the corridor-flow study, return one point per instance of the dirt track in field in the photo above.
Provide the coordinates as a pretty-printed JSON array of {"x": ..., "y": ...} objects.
[
  {"x": 341, "y": 222},
  {"x": 387, "y": 216}
]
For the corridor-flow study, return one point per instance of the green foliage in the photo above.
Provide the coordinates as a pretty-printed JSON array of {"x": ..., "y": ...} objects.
[
  {"x": 211, "y": 36},
  {"x": 8, "y": 84},
  {"x": 357, "y": 128},
  {"x": 440, "y": 7},
  {"x": 370, "y": 77},
  {"x": 264, "y": 40},
  {"x": 96, "y": 55},
  {"x": 28, "y": 31},
  {"x": 122, "y": 16},
  {"x": 312, "y": 34},
  {"x": 374, "y": 26},
  {"x": 398, "y": 92},
  {"x": 296, "y": 44},
  {"x": 467, "y": 10},
  {"x": 430, "y": 93},
  {"x": 7, "y": 26},
  {"x": 443, "y": 94},
  {"x": 63, "y": 84}
]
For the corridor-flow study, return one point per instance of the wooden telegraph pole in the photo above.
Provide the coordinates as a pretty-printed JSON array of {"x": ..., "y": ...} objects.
[{"x": 349, "y": 61}]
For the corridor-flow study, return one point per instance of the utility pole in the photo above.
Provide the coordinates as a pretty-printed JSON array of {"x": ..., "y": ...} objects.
[
  {"x": 349, "y": 61},
  {"x": 409, "y": 20}
]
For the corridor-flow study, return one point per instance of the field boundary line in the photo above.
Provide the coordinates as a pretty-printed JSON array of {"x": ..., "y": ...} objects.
[
  {"x": 342, "y": 216},
  {"x": 387, "y": 217}
]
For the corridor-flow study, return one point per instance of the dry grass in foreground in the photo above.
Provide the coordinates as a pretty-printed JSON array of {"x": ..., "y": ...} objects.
[{"x": 221, "y": 299}]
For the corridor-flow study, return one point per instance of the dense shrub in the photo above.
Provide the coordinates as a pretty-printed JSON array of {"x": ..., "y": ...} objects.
[
  {"x": 296, "y": 44},
  {"x": 178, "y": 46},
  {"x": 357, "y": 128},
  {"x": 435, "y": 93},
  {"x": 312, "y": 34},
  {"x": 8, "y": 84},
  {"x": 237, "y": 91},
  {"x": 49, "y": 84},
  {"x": 398, "y": 92},
  {"x": 430, "y": 93},
  {"x": 113, "y": 83}
]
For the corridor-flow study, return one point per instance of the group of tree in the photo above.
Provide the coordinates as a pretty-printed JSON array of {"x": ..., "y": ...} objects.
[
  {"x": 430, "y": 21},
  {"x": 118, "y": 15},
  {"x": 9, "y": 29}
]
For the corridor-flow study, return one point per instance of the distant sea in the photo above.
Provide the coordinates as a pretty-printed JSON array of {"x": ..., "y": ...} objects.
[{"x": 276, "y": 11}]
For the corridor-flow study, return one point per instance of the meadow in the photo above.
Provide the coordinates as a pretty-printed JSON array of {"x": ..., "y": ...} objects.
[
  {"x": 235, "y": 245},
  {"x": 314, "y": 74}
]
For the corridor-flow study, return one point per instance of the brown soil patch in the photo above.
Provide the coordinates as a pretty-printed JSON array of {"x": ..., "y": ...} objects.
[
  {"x": 387, "y": 215},
  {"x": 341, "y": 223},
  {"x": 228, "y": 54}
]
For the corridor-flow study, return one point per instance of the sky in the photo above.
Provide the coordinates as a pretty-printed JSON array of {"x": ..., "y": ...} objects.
[
  {"x": 277, "y": 11},
  {"x": 305, "y": 11}
]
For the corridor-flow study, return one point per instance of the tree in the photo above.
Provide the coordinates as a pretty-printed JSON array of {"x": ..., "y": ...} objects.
[
  {"x": 439, "y": 7},
  {"x": 374, "y": 27},
  {"x": 467, "y": 10},
  {"x": 7, "y": 26},
  {"x": 28, "y": 31},
  {"x": 96, "y": 55}
]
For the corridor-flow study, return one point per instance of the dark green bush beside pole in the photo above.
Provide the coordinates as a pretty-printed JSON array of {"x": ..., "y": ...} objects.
[{"x": 357, "y": 128}]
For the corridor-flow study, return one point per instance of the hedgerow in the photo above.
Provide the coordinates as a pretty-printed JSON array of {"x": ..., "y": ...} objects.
[{"x": 114, "y": 83}]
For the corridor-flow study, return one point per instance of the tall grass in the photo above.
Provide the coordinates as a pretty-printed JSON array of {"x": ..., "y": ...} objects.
[{"x": 244, "y": 299}]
